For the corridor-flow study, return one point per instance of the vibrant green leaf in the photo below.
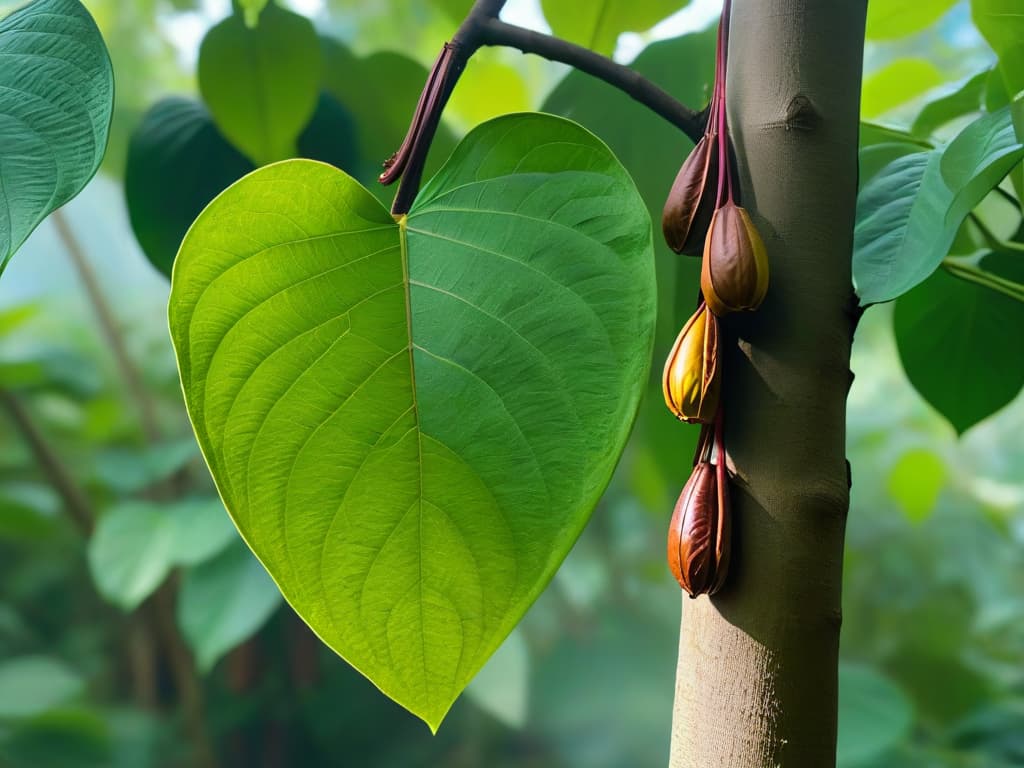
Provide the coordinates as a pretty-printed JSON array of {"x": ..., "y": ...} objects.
[
  {"x": 408, "y": 519},
  {"x": 874, "y": 715},
  {"x": 223, "y": 602},
  {"x": 489, "y": 88},
  {"x": 597, "y": 24},
  {"x": 908, "y": 215},
  {"x": 177, "y": 163},
  {"x": 56, "y": 99},
  {"x": 261, "y": 84},
  {"x": 951, "y": 336},
  {"x": 915, "y": 482},
  {"x": 252, "y": 10},
  {"x": 456, "y": 10},
  {"x": 965, "y": 100},
  {"x": 889, "y": 19},
  {"x": 1002, "y": 24},
  {"x": 896, "y": 84},
  {"x": 32, "y": 685}
]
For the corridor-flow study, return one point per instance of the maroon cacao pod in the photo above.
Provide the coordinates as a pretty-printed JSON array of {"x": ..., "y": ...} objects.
[
  {"x": 691, "y": 201},
  {"x": 699, "y": 533}
]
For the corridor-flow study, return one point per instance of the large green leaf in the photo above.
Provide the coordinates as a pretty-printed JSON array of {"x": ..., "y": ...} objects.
[
  {"x": 597, "y": 24},
  {"x": 261, "y": 83},
  {"x": 952, "y": 339},
  {"x": 410, "y": 422},
  {"x": 56, "y": 99},
  {"x": 1002, "y": 24},
  {"x": 177, "y": 163},
  {"x": 888, "y": 19},
  {"x": 908, "y": 215}
]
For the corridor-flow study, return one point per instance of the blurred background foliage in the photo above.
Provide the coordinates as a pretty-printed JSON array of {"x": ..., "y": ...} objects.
[{"x": 135, "y": 628}]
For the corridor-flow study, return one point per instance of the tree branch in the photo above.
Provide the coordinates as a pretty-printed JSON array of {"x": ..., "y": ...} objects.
[
  {"x": 629, "y": 81},
  {"x": 483, "y": 27},
  {"x": 109, "y": 326},
  {"x": 75, "y": 501}
]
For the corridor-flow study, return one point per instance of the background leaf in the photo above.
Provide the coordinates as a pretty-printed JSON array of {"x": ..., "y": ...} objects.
[
  {"x": 952, "y": 341},
  {"x": 874, "y": 715},
  {"x": 1002, "y": 24},
  {"x": 32, "y": 685},
  {"x": 261, "y": 84},
  {"x": 223, "y": 601},
  {"x": 294, "y": 344},
  {"x": 888, "y": 19},
  {"x": 177, "y": 163},
  {"x": 56, "y": 99},
  {"x": 598, "y": 24}
]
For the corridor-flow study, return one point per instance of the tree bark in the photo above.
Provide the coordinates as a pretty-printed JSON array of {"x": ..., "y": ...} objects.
[{"x": 757, "y": 678}]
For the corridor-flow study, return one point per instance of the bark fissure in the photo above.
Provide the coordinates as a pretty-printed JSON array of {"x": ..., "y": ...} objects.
[{"x": 757, "y": 676}]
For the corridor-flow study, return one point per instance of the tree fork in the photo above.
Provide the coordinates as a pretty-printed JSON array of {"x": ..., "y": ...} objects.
[{"x": 757, "y": 677}]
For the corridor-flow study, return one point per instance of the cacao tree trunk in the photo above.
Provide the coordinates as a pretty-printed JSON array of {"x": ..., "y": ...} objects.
[{"x": 757, "y": 678}]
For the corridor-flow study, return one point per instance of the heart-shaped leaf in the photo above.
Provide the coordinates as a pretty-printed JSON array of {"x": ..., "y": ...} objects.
[
  {"x": 56, "y": 99},
  {"x": 410, "y": 422}
]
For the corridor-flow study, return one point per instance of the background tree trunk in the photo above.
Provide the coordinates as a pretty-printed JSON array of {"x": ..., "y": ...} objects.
[{"x": 757, "y": 677}]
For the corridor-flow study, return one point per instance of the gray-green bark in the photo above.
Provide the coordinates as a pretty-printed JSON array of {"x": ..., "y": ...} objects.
[{"x": 756, "y": 683}]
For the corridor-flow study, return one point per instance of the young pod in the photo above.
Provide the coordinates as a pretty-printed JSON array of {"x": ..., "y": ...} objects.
[
  {"x": 690, "y": 382},
  {"x": 734, "y": 273},
  {"x": 691, "y": 201},
  {"x": 698, "y": 534}
]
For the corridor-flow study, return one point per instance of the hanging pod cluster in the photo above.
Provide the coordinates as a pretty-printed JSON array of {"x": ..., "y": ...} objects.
[{"x": 703, "y": 217}]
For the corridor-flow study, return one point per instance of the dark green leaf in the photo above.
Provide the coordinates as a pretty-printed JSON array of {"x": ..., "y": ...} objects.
[
  {"x": 375, "y": 498},
  {"x": 56, "y": 98},
  {"x": 952, "y": 340},
  {"x": 177, "y": 163},
  {"x": 261, "y": 84},
  {"x": 330, "y": 136}
]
